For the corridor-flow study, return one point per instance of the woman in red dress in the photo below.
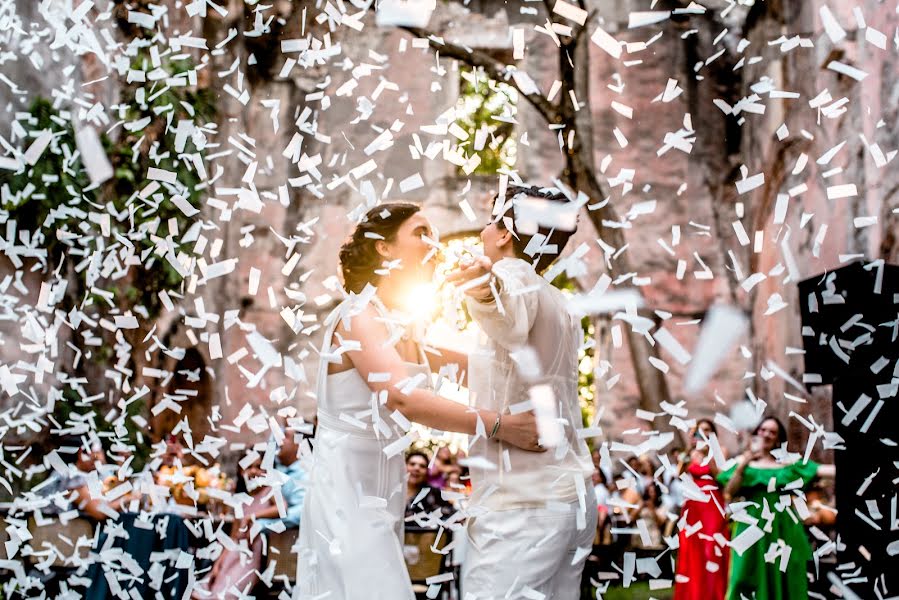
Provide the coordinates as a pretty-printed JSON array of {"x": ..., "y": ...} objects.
[{"x": 702, "y": 561}]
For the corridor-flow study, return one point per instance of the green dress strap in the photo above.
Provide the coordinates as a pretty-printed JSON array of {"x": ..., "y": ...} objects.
[
  {"x": 752, "y": 476},
  {"x": 726, "y": 475},
  {"x": 807, "y": 471}
]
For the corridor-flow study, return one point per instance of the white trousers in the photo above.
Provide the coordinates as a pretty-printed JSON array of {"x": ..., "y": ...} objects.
[{"x": 527, "y": 553}]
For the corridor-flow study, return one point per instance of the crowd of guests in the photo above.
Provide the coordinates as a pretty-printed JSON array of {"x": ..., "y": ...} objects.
[
  {"x": 434, "y": 487},
  {"x": 258, "y": 500},
  {"x": 738, "y": 532},
  {"x": 240, "y": 562},
  {"x": 687, "y": 504}
]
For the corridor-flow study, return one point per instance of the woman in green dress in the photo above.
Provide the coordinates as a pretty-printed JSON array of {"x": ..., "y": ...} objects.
[{"x": 769, "y": 547}]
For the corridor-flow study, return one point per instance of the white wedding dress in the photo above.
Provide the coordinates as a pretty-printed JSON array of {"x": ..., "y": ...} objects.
[{"x": 351, "y": 531}]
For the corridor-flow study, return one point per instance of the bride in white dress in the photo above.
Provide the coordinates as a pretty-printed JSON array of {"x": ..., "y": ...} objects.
[{"x": 372, "y": 380}]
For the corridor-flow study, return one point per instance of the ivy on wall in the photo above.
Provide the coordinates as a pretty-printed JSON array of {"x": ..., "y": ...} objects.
[
  {"x": 106, "y": 245},
  {"x": 53, "y": 200}
]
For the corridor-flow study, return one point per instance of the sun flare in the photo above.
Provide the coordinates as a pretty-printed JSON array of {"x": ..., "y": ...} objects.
[{"x": 420, "y": 301}]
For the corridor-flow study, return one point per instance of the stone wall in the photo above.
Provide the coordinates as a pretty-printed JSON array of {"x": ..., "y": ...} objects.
[{"x": 694, "y": 192}]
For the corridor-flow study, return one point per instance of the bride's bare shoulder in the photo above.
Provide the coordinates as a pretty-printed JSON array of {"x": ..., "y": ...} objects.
[
  {"x": 361, "y": 330},
  {"x": 365, "y": 323}
]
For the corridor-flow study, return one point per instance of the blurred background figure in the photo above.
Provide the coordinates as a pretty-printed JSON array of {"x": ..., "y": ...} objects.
[
  {"x": 444, "y": 461},
  {"x": 651, "y": 512},
  {"x": 290, "y": 478},
  {"x": 702, "y": 563},
  {"x": 774, "y": 566},
  {"x": 635, "y": 471},
  {"x": 421, "y": 497},
  {"x": 454, "y": 485},
  {"x": 86, "y": 467},
  {"x": 601, "y": 489},
  {"x": 174, "y": 452},
  {"x": 239, "y": 563}
]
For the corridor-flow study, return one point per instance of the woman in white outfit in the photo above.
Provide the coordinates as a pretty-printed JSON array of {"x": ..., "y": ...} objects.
[
  {"x": 531, "y": 524},
  {"x": 372, "y": 380}
]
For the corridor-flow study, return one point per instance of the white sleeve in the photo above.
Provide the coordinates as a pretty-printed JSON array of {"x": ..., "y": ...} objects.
[{"x": 507, "y": 319}]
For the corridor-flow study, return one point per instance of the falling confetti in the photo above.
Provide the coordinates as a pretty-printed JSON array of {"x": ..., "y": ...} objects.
[{"x": 176, "y": 180}]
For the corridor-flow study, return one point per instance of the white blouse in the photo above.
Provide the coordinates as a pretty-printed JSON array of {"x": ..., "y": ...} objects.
[{"x": 530, "y": 354}]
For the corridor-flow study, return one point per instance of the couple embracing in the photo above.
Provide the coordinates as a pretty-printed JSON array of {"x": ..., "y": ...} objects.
[{"x": 532, "y": 517}]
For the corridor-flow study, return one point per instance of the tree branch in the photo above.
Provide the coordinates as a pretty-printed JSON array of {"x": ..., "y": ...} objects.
[
  {"x": 504, "y": 130},
  {"x": 579, "y": 172},
  {"x": 494, "y": 69},
  {"x": 548, "y": 4},
  {"x": 776, "y": 171}
]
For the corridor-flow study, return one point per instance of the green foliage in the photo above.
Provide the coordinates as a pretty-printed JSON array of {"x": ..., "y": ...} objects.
[
  {"x": 56, "y": 211},
  {"x": 53, "y": 199},
  {"x": 481, "y": 101},
  {"x": 31, "y": 194},
  {"x": 639, "y": 590},
  {"x": 111, "y": 427}
]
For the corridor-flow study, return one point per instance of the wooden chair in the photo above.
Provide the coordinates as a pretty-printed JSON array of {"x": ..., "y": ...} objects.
[
  {"x": 421, "y": 561},
  {"x": 4, "y": 537},
  {"x": 280, "y": 550},
  {"x": 48, "y": 546}
]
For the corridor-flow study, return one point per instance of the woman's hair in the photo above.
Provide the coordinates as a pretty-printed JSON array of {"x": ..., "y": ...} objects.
[
  {"x": 657, "y": 500},
  {"x": 242, "y": 485},
  {"x": 420, "y": 453},
  {"x": 359, "y": 256},
  {"x": 781, "y": 429},
  {"x": 520, "y": 241},
  {"x": 708, "y": 422}
]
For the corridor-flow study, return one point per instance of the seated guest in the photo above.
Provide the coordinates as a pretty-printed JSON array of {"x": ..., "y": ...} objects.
[
  {"x": 68, "y": 449},
  {"x": 420, "y": 497},
  {"x": 236, "y": 569},
  {"x": 292, "y": 478},
  {"x": 84, "y": 466},
  {"x": 168, "y": 468}
]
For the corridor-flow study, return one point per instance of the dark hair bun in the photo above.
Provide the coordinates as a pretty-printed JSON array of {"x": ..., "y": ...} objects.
[
  {"x": 359, "y": 257},
  {"x": 553, "y": 237}
]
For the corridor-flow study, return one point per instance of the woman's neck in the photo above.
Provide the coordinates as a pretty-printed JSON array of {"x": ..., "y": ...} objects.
[
  {"x": 766, "y": 457},
  {"x": 391, "y": 291}
]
